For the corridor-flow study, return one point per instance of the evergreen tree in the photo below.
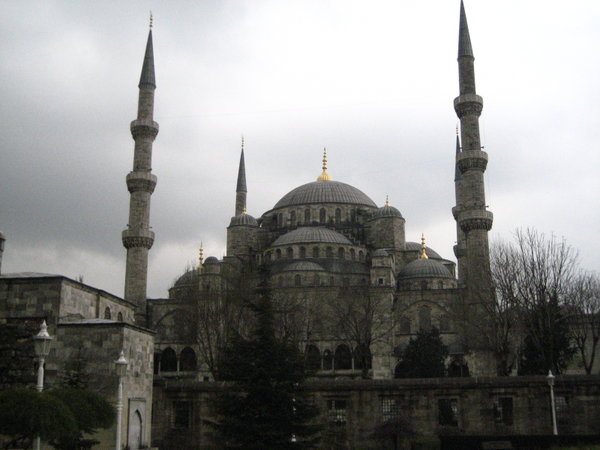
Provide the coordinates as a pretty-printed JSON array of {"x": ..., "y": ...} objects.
[
  {"x": 264, "y": 407},
  {"x": 423, "y": 357}
]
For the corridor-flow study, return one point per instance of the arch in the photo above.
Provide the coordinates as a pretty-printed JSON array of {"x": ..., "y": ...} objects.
[
  {"x": 458, "y": 367},
  {"x": 280, "y": 220},
  {"x": 352, "y": 254},
  {"x": 445, "y": 323},
  {"x": 120, "y": 316},
  {"x": 341, "y": 253},
  {"x": 327, "y": 360},
  {"x": 343, "y": 358},
  {"x": 168, "y": 360},
  {"x": 135, "y": 431},
  {"x": 361, "y": 255},
  {"x": 278, "y": 253},
  {"x": 315, "y": 252},
  {"x": 316, "y": 279},
  {"x": 307, "y": 216},
  {"x": 292, "y": 218},
  {"x": 405, "y": 325},
  {"x": 156, "y": 363},
  {"x": 398, "y": 370},
  {"x": 424, "y": 318},
  {"x": 302, "y": 252},
  {"x": 187, "y": 360},
  {"x": 362, "y": 357},
  {"x": 322, "y": 215},
  {"x": 297, "y": 280},
  {"x": 313, "y": 358},
  {"x": 329, "y": 252},
  {"x": 268, "y": 257},
  {"x": 107, "y": 314},
  {"x": 290, "y": 253},
  {"x": 338, "y": 215}
]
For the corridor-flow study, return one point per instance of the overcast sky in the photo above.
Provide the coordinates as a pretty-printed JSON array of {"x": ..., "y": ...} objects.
[{"x": 373, "y": 81}]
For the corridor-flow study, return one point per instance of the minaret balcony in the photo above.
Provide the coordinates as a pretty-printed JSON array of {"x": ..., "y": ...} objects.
[
  {"x": 475, "y": 219},
  {"x": 141, "y": 181},
  {"x": 471, "y": 159},
  {"x": 144, "y": 128},
  {"x": 468, "y": 105},
  {"x": 133, "y": 238}
]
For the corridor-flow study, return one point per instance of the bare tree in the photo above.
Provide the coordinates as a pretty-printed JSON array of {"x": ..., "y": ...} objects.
[{"x": 584, "y": 315}]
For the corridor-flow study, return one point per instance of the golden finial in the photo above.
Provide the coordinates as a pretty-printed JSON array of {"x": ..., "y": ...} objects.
[
  {"x": 151, "y": 19},
  {"x": 324, "y": 176},
  {"x": 244, "y": 212},
  {"x": 423, "y": 248},
  {"x": 457, "y": 128},
  {"x": 200, "y": 256},
  {"x": 387, "y": 200}
]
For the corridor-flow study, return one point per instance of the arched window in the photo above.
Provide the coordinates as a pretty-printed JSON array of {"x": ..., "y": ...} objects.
[
  {"x": 329, "y": 252},
  {"x": 458, "y": 367},
  {"x": 280, "y": 281},
  {"x": 120, "y": 316},
  {"x": 279, "y": 220},
  {"x": 338, "y": 215},
  {"x": 290, "y": 253},
  {"x": 327, "y": 360},
  {"x": 297, "y": 280},
  {"x": 187, "y": 360},
  {"x": 156, "y": 362},
  {"x": 302, "y": 252},
  {"x": 268, "y": 257},
  {"x": 362, "y": 357},
  {"x": 343, "y": 358},
  {"x": 352, "y": 254},
  {"x": 292, "y": 218},
  {"x": 317, "y": 280},
  {"x": 313, "y": 358},
  {"x": 445, "y": 323},
  {"x": 168, "y": 360},
  {"x": 306, "y": 216},
  {"x": 322, "y": 215},
  {"x": 361, "y": 255},
  {"x": 341, "y": 253},
  {"x": 424, "y": 318},
  {"x": 398, "y": 370},
  {"x": 278, "y": 253},
  {"x": 107, "y": 313},
  {"x": 404, "y": 325},
  {"x": 315, "y": 252},
  {"x": 440, "y": 284}
]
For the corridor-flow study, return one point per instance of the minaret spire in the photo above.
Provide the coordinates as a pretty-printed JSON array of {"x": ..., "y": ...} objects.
[
  {"x": 464, "y": 39},
  {"x": 241, "y": 190},
  {"x": 324, "y": 175},
  {"x": 138, "y": 237}
]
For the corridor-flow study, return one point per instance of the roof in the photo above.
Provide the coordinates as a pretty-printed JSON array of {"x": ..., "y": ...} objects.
[
  {"x": 190, "y": 277},
  {"x": 325, "y": 192},
  {"x": 311, "y": 235},
  {"x": 303, "y": 266},
  {"x": 425, "y": 268},
  {"x": 415, "y": 246},
  {"x": 387, "y": 211},
  {"x": 243, "y": 219},
  {"x": 211, "y": 260},
  {"x": 147, "y": 79}
]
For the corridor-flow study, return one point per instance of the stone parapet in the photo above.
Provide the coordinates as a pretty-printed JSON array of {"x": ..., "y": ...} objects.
[
  {"x": 468, "y": 105},
  {"x": 475, "y": 220},
  {"x": 472, "y": 159},
  {"x": 141, "y": 181},
  {"x": 137, "y": 238},
  {"x": 144, "y": 128}
]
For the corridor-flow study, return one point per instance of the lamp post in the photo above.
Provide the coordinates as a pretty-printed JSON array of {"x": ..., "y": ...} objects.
[
  {"x": 41, "y": 343},
  {"x": 550, "y": 379},
  {"x": 121, "y": 369}
]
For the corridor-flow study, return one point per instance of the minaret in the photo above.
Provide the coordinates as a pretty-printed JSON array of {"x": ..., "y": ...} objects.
[
  {"x": 472, "y": 217},
  {"x": 241, "y": 191},
  {"x": 2, "y": 239},
  {"x": 138, "y": 238}
]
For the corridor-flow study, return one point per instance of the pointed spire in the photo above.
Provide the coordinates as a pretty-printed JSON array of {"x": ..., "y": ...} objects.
[
  {"x": 200, "y": 256},
  {"x": 324, "y": 176},
  {"x": 147, "y": 80},
  {"x": 387, "y": 200},
  {"x": 464, "y": 40},
  {"x": 241, "y": 180},
  {"x": 423, "y": 254},
  {"x": 457, "y": 175}
]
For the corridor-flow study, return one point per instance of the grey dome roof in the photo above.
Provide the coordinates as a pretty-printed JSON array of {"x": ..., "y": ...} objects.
[
  {"x": 324, "y": 192},
  {"x": 425, "y": 268},
  {"x": 414, "y": 246},
  {"x": 211, "y": 260},
  {"x": 243, "y": 219},
  {"x": 380, "y": 252},
  {"x": 311, "y": 235},
  {"x": 302, "y": 266},
  {"x": 387, "y": 211},
  {"x": 190, "y": 277}
]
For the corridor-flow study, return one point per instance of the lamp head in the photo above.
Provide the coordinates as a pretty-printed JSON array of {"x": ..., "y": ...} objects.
[
  {"x": 41, "y": 341},
  {"x": 121, "y": 365},
  {"x": 550, "y": 378}
]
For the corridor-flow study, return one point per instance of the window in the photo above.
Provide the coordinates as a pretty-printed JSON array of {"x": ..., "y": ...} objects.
[
  {"x": 290, "y": 253},
  {"x": 503, "y": 410},
  {"x": 424, "y": 318},
  {"x": 338, "y": 215},
  {"x": 327, "y": 360},
  {"x": 390, "y": 408},
  {"x": 313, "y": 358},
  {"x": 107, "y": 313},
  {"x": 322, "y": 215},
  {"x": 156, "y": 362},
  {"x": 362, "y": 357},
  {"x": 293, "y": 218},
  {"x": 181, "y": 414},
  {"x": 279, "y": 220},
  {"x": 315, "y": 252},
  {"x": 329, "y": 252},
  {"x": 306, "y": 216},
  {"x": 187, "y": 360},
  {"x": 341, "y": 253},
  {"x": 302, "y": 252},
  {"x": 297, "y": 280},
  {"x": 380, "y": 281},
  {"x": 336, "y": 412},
  {"x": 448, "y": 411},
  {"x": 361, "y": 255},
  {"x": 278, "y": 254},
  {"x": 168, "y": 360},
  {"x": 317, "y": 280},
  {"x": 343, "y": 358},
  {"x": 120, "y": 317},
  {"x": 404, "y": 325},
  {"x": 352, "y": 254}
]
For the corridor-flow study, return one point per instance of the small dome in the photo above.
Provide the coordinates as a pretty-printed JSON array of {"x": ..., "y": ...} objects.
[
  {"x": 326, "y": 191},
  {"x": 425, "y": 268},
  {"x": 387, "y": 211},
  {"x": 243, "y": 219},
  {"x": 307, "y": 235},
  {"x": 416, "y": 247},
  {"x": 211, "y": 260},
  {"x": 303, "y": 266},
  {"x": 190, "y": 277},
  {"x": 380, "y": 252}
]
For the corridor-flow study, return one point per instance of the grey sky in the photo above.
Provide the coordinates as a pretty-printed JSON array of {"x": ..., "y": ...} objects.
[{"x": 371, "y": 81}]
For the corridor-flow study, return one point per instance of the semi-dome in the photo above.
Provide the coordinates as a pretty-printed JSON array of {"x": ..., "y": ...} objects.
[
  {"x": 380, "y": 252},
  {"x": 303, "y": 266},
  {"x": 387, "y": 211},
  {"x": 211, "y": 260},
  {"x": 190, "y": 277},
  {"x": 425, "y": 268},
  {"x": 243, "y": 219},
  {"x": 325, "y": 191},
  {"x": 416, "y": 247},
  {"x": 307, "y": 235}
]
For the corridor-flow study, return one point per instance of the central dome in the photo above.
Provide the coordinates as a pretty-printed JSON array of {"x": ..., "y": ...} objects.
[{"x": 325, "y": 192}]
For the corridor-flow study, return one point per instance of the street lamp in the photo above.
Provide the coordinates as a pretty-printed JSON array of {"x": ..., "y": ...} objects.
[
  {"x": 41, "y": 343},
  {"x": 121, "y": 369},
  {"x": 550, "y": 379}
]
